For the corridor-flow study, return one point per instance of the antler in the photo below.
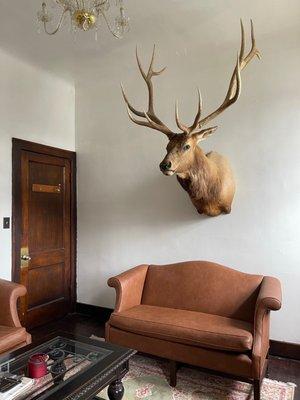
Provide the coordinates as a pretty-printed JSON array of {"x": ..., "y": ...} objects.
[
  {"x": 189, "y": 129},
  {"x": 150, "y": 118},
  {"x": 234, "y": 89}
]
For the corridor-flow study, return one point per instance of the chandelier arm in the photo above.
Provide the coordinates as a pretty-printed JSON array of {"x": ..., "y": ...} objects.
[
  {"x": 108, "y": 25},
  {"x": 100, "y": 4},
  {"x": 58, "y": 25}
]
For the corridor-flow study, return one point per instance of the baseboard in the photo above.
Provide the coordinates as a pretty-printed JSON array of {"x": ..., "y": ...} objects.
[
  {"x": 277, "y": 349},
  {"x": 102, "y": 313},
  {"x": 285, "y": 349}
]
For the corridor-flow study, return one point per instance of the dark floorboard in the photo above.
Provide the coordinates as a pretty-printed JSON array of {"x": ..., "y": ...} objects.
[
  {"x": 280, "y": 369},
  {"x": 74, "y": 323}
]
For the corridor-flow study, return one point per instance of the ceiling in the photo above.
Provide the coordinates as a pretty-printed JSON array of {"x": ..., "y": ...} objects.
[{"x": 151, "y": 21}]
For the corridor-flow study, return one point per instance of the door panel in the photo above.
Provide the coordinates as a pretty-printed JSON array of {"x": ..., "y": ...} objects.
[
  {"x": 46, "y": 208},
  {"x": 46, "y": 211},
  {"x": 46, "y": 293},
  {"x": 46, "y": 236}
]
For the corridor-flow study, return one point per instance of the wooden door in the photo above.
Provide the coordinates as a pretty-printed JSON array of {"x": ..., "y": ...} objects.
[{"x": 46, "y": 227}]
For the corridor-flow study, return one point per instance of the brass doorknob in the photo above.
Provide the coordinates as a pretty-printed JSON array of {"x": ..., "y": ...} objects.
[{"x": 25, "y": 257}]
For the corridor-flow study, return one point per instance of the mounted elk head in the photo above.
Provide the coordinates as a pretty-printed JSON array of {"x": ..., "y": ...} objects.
[{"x": 207, "y": 178}]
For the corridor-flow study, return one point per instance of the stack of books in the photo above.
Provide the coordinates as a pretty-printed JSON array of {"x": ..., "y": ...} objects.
[{"x": 12, "y": 389}]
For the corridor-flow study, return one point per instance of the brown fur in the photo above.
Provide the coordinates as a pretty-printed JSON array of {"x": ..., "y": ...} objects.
[{"x": 207, "y": 178}]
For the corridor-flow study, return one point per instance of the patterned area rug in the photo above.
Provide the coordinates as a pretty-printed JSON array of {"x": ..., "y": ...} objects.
[{"x": 147, "y": 379}]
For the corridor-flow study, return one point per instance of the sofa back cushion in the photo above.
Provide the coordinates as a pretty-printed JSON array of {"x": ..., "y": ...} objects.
[{"x": 202, "y": 286}]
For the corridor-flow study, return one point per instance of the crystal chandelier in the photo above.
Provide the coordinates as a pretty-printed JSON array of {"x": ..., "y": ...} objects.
[{"x": 85, "y": 15}]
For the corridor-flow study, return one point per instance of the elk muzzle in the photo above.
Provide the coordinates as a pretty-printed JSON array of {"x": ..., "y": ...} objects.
[{"x": 166, "y": 167}]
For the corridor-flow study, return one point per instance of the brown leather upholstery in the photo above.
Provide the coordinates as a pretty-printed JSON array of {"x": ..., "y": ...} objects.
[
  {"x": 12, "y": 335},
  {"x": 196, "y": 312},
  {"x": 229, "y": 362},
  {"x": 189, "y": 327},
  {"x": 269, "y": 299},
  {"x": 197, "y": 283}
]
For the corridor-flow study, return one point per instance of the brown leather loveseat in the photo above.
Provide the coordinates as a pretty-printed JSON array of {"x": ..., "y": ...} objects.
[
  {"x": 12, "y": 334},
  {"x": 198, "y": 313}
]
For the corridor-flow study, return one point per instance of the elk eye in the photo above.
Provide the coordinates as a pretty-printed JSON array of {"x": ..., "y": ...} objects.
[{"x": 186, "y": 147}]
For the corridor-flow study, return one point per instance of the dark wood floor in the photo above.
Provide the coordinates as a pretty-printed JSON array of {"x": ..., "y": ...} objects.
[
  {"x": 280, "y": 369},
  {"x": 79, "y": 324}
]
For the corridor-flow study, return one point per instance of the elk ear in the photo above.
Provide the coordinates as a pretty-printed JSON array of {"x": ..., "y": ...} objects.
[{"x": 205, "y": 133}]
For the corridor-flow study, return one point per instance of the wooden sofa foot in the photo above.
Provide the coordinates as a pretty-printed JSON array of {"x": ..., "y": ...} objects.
[
  {"x": 256, "y": 387},
  {"x": 267, "y": 366},
  {"x": 173, "y": 373}
]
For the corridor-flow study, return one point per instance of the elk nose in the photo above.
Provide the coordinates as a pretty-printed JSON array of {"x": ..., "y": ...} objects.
[{"x": 165, "y": 166}]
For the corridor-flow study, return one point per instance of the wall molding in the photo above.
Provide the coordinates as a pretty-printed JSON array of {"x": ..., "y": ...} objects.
[
  {"x": 285, "y": 349},
  {"x": 277, "y": 348}
]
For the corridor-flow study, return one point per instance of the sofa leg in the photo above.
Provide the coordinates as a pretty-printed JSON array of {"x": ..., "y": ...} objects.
[
  {"x": 173, "y": 373},
  {"x": 267, "y": 368},
  {"x": 256, "y": 386}
]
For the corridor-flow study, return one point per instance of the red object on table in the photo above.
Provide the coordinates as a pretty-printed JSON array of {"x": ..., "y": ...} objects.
[{"x": 37, "y": 365}]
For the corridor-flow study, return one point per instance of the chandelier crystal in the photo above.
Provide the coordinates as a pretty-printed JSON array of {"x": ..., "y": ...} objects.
[{"x": 84, "y": 15}]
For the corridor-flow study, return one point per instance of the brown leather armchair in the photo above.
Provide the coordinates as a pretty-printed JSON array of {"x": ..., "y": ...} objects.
[
  {"x": 12, "y": 335},
  {"x": 199, "y": 313}
]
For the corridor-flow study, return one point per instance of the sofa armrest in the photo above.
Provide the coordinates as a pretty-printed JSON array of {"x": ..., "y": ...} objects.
[
  {"x": 9, "y": 294},
  {"x": 269, "y": 299},
  {"x": 129, "y": 287},
  {"x": 269, "y": 296}
]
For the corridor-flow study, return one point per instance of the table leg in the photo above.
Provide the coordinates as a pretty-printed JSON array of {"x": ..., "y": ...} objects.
[{"x": 116, "y": 390}]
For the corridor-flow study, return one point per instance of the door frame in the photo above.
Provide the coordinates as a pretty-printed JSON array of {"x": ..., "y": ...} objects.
[{"x": 19, "y": 145}]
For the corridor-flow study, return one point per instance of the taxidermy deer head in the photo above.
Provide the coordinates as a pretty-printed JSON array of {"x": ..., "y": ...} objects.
[{"x": 207, "y": 178}]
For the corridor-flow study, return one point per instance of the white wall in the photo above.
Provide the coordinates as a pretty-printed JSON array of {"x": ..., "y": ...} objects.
[
  {"x": 36, "y": 106},
  {"x": 129, "y": 213}
]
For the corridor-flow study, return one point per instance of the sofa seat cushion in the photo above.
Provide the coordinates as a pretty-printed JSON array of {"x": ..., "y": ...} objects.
[
  {"x": 188, "y": 327},
  {"x": 11, "y": 337}
]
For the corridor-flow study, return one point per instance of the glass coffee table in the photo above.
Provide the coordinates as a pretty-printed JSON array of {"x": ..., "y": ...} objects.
[{"x": 77, "y": 368}]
